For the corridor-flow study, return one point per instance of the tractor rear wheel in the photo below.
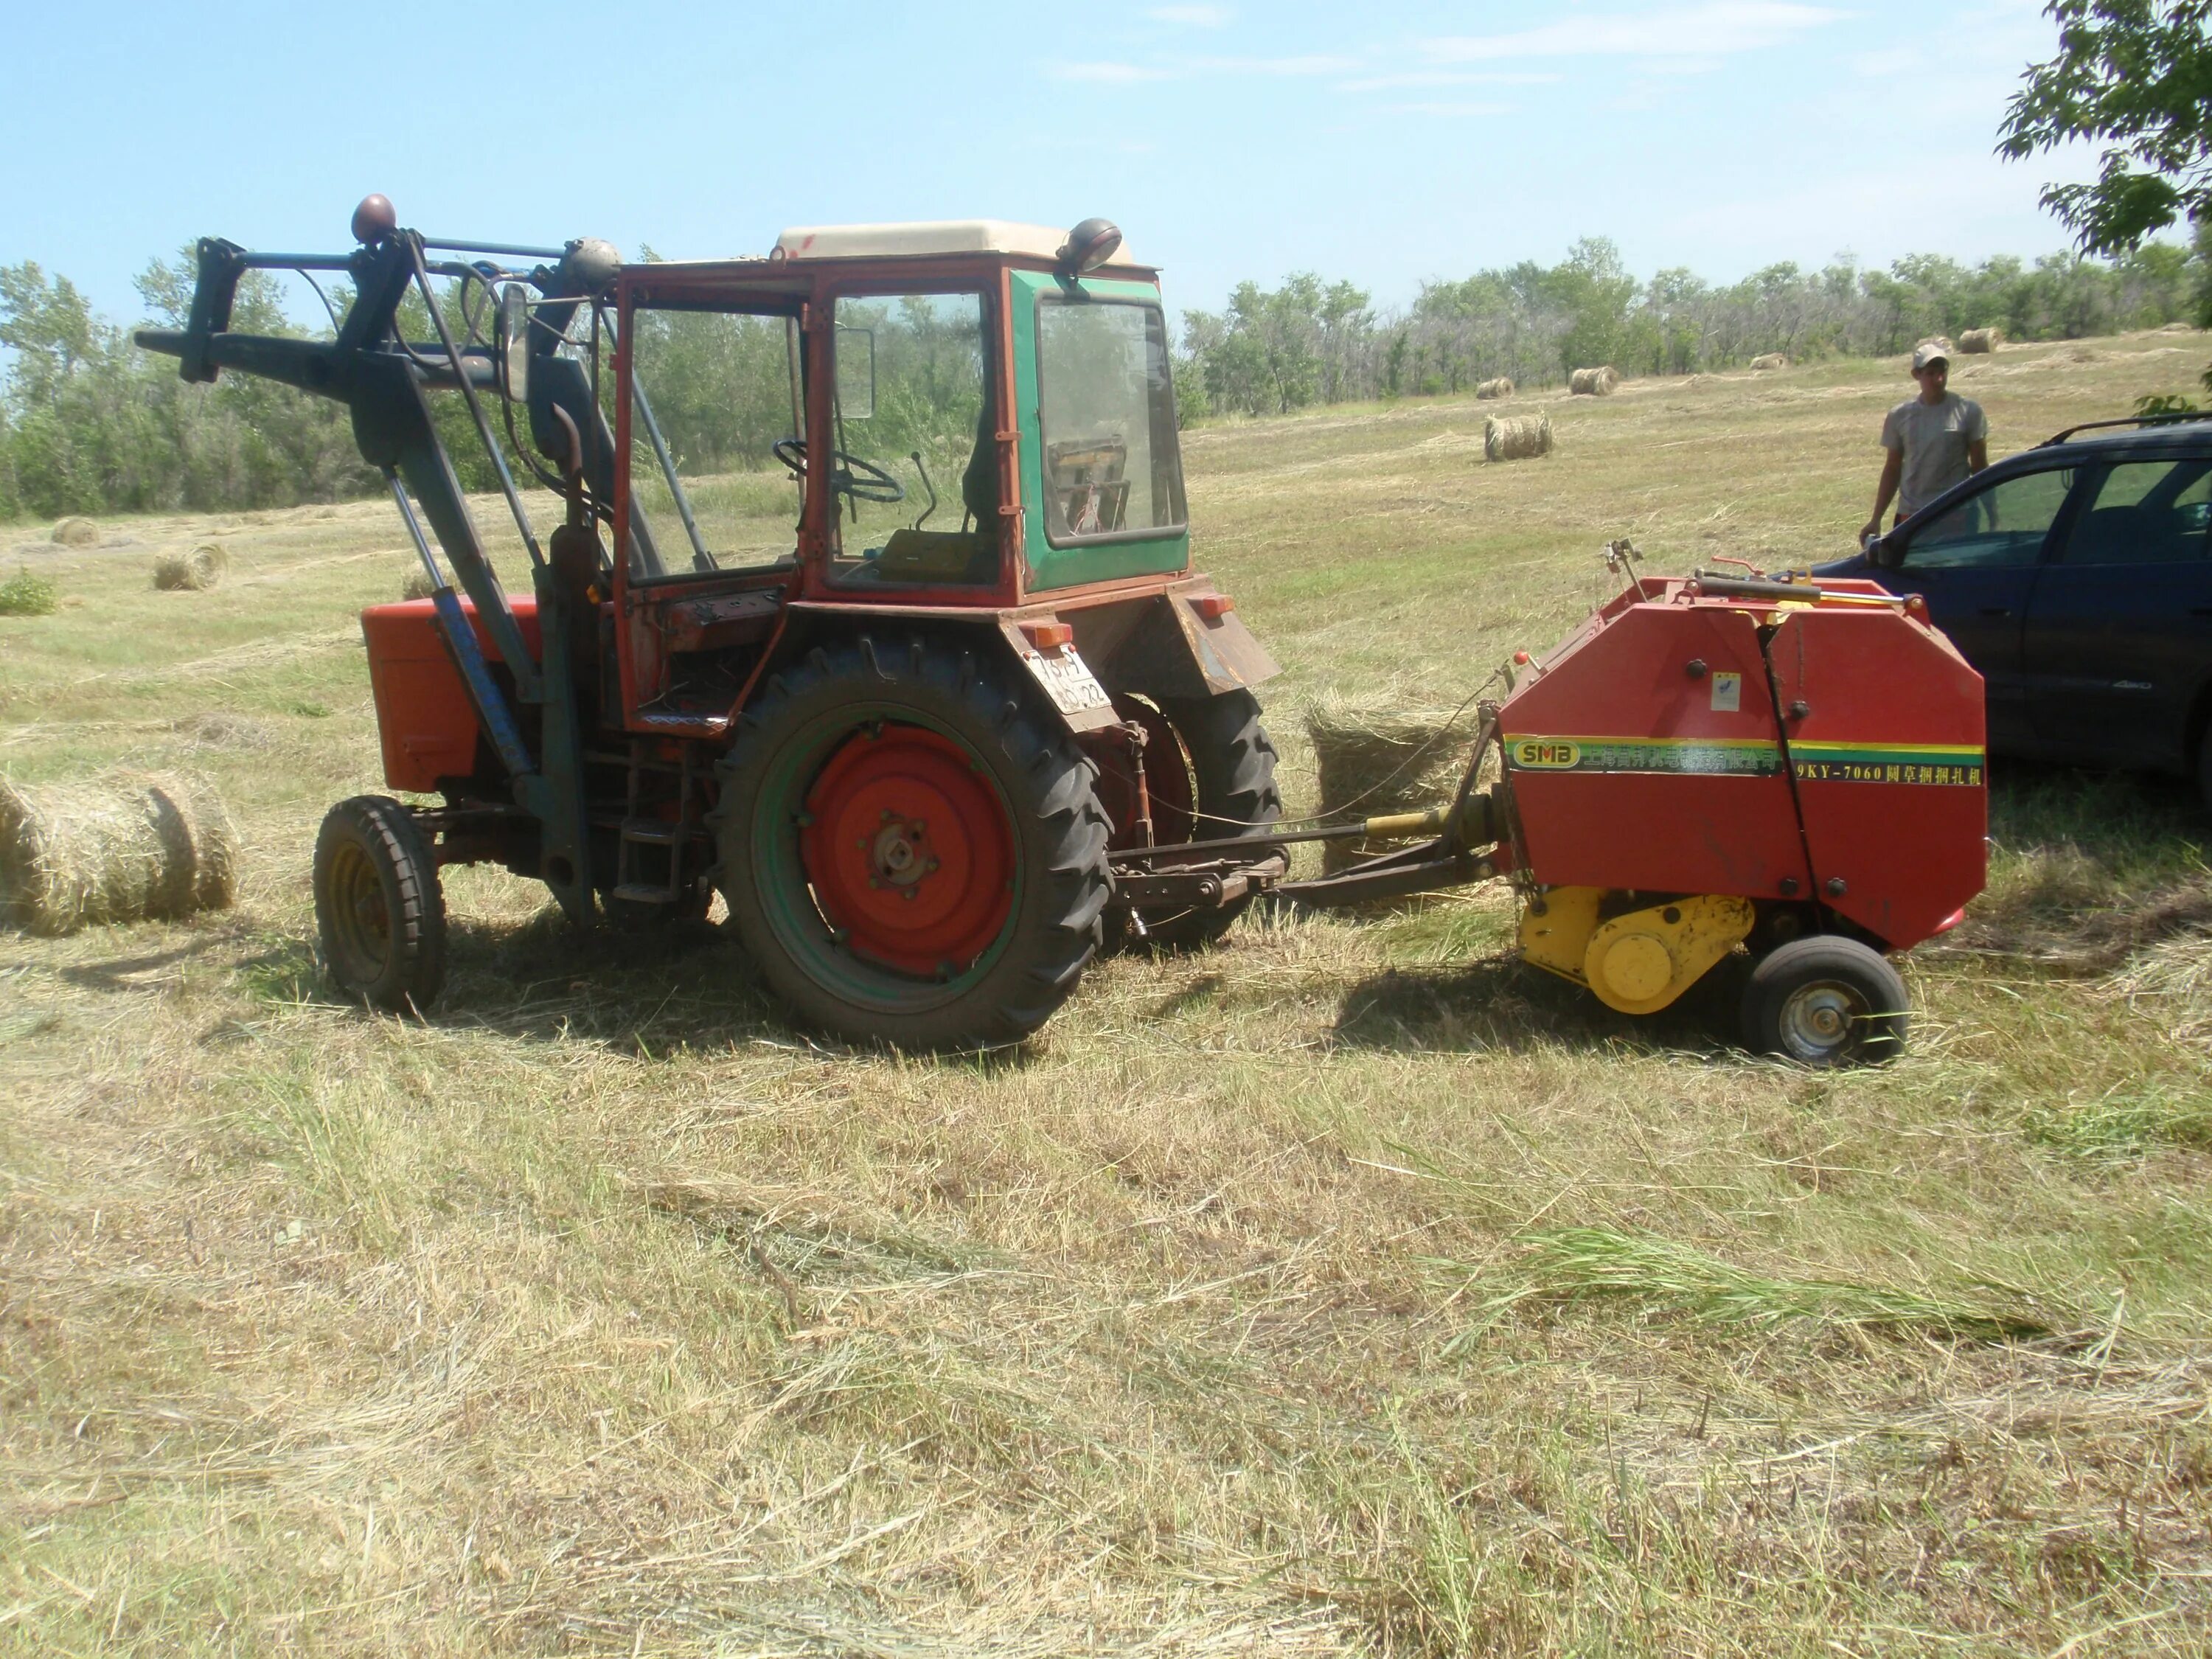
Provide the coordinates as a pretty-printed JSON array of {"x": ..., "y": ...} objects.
[
  {"x": 379, "y": 911},
  {"x": 1210, "y": 770},
  {"x": 910, "y": 847},
  {"x": 1824, "y": 1000}
]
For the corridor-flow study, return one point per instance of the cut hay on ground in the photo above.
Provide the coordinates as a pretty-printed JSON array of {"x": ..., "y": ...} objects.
[
  {"x": 1373, "y": 757},
  {"x": 1517, "y": 437},
  {"x": 1594, "y": 382},
  {"x": 1976, "y": 340},
  {"x": 125, "y": 847},
  {"x": 1500, "y": 387},
  {"x": 76, "y": 533},
  {"x": 2179, "y": 328},
  {"x": 194, "y": 572},
  {"x": 1767, "y": 361},
  {"x": 419, "y": 585}
]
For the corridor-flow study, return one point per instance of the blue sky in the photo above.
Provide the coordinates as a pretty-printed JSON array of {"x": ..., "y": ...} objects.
[{"x": 1386, "y": 143}]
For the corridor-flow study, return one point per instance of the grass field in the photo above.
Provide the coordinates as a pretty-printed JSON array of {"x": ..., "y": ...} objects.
[{"x": 1346, "y": 1289}]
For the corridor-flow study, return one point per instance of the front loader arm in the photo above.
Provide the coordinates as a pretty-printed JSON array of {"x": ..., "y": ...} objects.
[{"x": 382, "y": 380}]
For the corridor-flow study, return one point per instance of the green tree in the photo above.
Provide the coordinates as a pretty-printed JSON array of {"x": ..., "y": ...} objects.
[{"x": 2138, "y": 73}]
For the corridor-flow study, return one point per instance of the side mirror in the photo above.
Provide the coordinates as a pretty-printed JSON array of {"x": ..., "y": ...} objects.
[
  {"x": 511, "y": 342},
  {"x": 856, "y": 373}
]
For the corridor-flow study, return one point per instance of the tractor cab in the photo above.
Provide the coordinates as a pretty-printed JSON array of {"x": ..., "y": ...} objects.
[
  {"x": 994, "y": 401},
  {"x": 997, "y": 423}
]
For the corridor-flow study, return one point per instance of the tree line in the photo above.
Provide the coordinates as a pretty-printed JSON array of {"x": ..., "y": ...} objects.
[
  {"x": 89, "y": 423},
  {"x": 1314, "y": 341}
]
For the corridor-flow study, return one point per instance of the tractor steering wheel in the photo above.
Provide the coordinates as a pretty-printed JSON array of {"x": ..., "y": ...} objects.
[{"x": 864, "y": 481}]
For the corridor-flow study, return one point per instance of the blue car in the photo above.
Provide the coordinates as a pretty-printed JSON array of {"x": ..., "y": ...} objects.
[{"x": 2077, "y": 578}]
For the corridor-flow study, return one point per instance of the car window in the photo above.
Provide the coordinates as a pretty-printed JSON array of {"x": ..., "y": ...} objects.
[
  {"x": 2005, "y": 524},
  {"x": 2146, "y": 512}
]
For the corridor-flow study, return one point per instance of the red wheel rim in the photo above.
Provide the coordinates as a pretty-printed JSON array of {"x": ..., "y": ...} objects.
[
  {"x": 909, "y": 851},
  {"x": 1167, "y": 779}
]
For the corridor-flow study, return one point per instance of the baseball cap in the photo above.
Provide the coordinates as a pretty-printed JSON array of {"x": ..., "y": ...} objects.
[{"x": 1937, "y": 350}]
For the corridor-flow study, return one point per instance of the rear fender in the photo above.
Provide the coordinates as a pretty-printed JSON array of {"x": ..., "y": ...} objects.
[
  {"x": 1059, "y": 675},
  {"x": 1185, "y": 642}
]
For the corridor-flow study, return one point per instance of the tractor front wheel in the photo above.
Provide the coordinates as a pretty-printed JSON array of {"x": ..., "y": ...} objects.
[
  {"x": 379, "y": 911},
  {"x": 1824, "y": 1000},
  {"x": 910, "y": 848}
]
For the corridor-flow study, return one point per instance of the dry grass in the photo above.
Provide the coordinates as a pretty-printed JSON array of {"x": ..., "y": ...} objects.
[{"x": 603, "y": 1313}]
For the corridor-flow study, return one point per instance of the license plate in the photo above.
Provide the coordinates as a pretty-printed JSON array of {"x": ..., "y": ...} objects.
[{"x": 1067, "y": 680}]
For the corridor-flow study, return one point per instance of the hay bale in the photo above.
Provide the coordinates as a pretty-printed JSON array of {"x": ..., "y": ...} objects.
[
  {"x": 419, "y": 585},
  {"x": 1768, "y": 361},
  {"x": 1373, "y": 758},
  {"x": 1517, "y": 437},
  {"x": 124, "y": 847},
  {"x": 1500, "y": 387},
  {"x": 1976, "y": 340},
  {"x": 76, "y": 533},
  {"x": 1593, "y": 382},
  {"x": 194, "y": 572}
]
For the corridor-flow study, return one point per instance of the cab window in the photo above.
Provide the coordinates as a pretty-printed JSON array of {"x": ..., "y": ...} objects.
[
  {"x": 914, "y": 484},
  {"x": 713, "y": 399},
  {"x": 2004, "y": 524},
  {"x": 2146, "y": 512},
  {"x": 1113, "y": 467}
]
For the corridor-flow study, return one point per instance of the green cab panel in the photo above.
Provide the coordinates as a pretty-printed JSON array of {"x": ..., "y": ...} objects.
[{"x": 1107, "y": 556}]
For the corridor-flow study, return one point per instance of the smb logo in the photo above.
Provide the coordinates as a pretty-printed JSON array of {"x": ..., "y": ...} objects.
[{"x": 1555, "y": 754}]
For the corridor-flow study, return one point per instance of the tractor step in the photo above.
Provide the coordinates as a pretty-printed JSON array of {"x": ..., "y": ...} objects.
[
  {"x": 642, "y": 892},
  {"x": 653, "y": 832}
]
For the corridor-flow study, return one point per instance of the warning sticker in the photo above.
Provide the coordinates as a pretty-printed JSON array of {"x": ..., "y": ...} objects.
[{"x": 1727, "y": 694}]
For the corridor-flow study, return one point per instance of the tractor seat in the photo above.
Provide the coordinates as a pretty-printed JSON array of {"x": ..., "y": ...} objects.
[{"x": 936, "y": 555}]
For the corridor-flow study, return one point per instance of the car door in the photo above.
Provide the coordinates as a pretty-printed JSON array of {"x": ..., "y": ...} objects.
[
  {"x": 1976, "y": 562},
  {"x": 2118, "y": 640}
]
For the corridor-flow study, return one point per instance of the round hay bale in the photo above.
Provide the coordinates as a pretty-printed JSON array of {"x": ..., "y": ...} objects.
[
  {"x": 1500, "y": 387},
  {"x": 194, "y": 572},
  {"x": 1373, "y": 758},
  {"x": 419, "y": 585},
  {"x": 1767, "y": 362},
  {"x": 1593, "y": 382},
  {"x": 1977, "y": 340},
  {"x": 76, "y": 533},
  {"x": 125, "y": 847},
  {"x": 1517, "y": 437}
]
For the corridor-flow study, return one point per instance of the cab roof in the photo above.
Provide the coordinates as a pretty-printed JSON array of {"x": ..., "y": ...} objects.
[{"x": 932, "y": 236}]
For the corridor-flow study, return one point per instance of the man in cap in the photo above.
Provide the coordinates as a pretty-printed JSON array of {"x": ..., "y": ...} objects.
[{"x": 1934, "y": 440}]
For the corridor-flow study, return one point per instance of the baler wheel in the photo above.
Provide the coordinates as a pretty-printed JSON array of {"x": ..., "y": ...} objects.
[
  {"x": 910, "y": 847},
  {"x": 1825, "y": 1001},
  {"x": 378, "y": 910}
]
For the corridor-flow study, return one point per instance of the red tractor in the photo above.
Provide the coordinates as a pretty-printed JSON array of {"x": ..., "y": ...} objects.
[{"x": 903, "y": 736}]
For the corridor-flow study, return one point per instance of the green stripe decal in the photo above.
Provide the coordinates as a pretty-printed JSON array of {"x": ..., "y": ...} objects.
[
  {"x": 1714, "y": 757},
  {"x": 1888, "y": 763},
  {"x": 1817, "y": 762}
]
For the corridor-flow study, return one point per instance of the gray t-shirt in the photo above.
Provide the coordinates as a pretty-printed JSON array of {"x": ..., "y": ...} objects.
[{"x": 1932, "y": 438}]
